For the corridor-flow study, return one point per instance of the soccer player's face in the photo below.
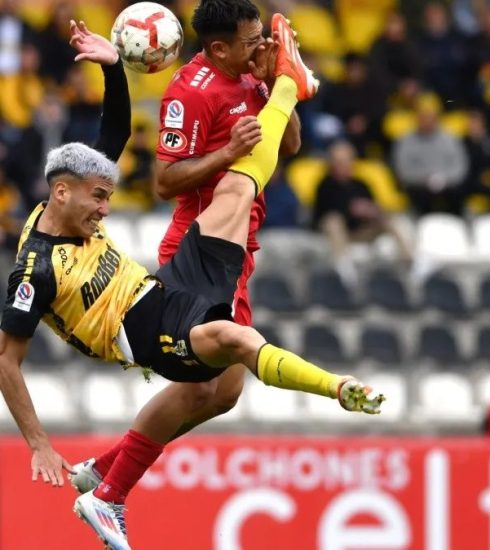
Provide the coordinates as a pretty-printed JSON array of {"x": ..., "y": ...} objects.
[
  {"x": 242, "y": 49},
  {"x": 88, "y": 204}
]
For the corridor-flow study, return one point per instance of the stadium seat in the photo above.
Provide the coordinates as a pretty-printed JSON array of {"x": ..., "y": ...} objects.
[
  {"x": 480, "y": 233},
  {"x": 326, "y": 288},
  {"x": 394, "y": 387},
  {"x": 442, "y": 293},
  {"x": 316, "y": 28},
  {"x": 120, "y": 229},
  {"x": 455, "y": 123},
  {"x": 482, "y": 351},
  {"x": 321, "y": 409},
  {"x": 141, "y": 391},
  {"x": 322, "y": 344},
  {"x": 273, "y": 292},
  {"x": 484, "y": 293},
  {"x": 381, "y": 344},
  {"x": 438, "y": 343},
  {"x": 446, "y": 397},
  {"x": 267, "y": 403},
  {"x": 42, "y": 351},
  {"x": 270, "y": 333},
  {"x": 105, "y": 397},
  {"x": 304, "y": 174},
  {"x": 385, "y": 289},
  {"x": 51, "y": 397},
  {"x": 150, "y": 230},
  {"x": 398, "y": 123},
  {"x": 372, "y": 13},
  {"x": 381, "y": 182},
  {"x": 442, "y": 237}
]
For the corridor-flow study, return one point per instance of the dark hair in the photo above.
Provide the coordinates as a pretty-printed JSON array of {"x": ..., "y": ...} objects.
[{"x": 218, "y": 19}]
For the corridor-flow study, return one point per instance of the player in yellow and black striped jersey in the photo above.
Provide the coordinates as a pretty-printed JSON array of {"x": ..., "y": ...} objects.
[
  {"x": 70, "y": 283},
  {"x": 177, "y": 322}
]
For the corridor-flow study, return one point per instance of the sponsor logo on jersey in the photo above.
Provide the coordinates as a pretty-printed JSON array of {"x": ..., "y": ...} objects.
[
  {"x": 239, "y": 109},
  {"x": 173, "y": 140},
  {"x": 175, "y": 115},
  {"x": 24, "y": 296},
  {"x": 195, "y": 129},
  {"x": 205, "y": 84},
  {"x": 201, "y": 73},
  {"x": 63, "y": 256},
  {"x": 106, "y": 268}
]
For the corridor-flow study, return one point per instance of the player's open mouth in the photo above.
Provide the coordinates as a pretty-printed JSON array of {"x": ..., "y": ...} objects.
[{"x": 94, "y": 223}]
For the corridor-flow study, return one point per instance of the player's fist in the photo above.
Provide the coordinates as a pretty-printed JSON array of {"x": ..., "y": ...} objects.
[{"x": 244, "y": 135}]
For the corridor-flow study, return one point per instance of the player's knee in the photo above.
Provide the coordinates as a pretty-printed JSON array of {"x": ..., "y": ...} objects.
[
  {"x": 225, "y": 401},
  {"x": 239, "y": 342},
  {"x": 237, "y": 186},
  {"x": 201, "y": 394}
]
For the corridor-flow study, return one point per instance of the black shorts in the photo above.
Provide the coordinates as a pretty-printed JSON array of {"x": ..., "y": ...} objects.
[{"x": 199, "y": 283}]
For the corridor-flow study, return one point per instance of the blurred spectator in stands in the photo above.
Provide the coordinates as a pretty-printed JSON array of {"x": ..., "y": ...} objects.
[
  {"x": 431, "y": 164},
  {"x": 466, "y": 15},
  {"x": 283, "y": 207},
  {"x": 478, "y": 64},
  {"x": 10, "y": 207},
  {"x": 136, "y": 191},
  {"x": 443, "y": 55},
  {"x": 477, "y": 145},
  {"x": 22, "y": 92},
  {"x": 56, "y": 53},
  {"x": 84, "y": 107},
  {"x": 394, "y": 56},
  {"x": 358, "y": 102},
  {"x": 14, "y": 33},
  {"x": 45, "y": 133},
  {"x": 345, "y": 211}
]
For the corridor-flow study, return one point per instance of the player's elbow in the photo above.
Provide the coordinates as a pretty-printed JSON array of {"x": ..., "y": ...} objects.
[
  {"x": 163, "y": 191},
  {"x": 164, "y": 184}
]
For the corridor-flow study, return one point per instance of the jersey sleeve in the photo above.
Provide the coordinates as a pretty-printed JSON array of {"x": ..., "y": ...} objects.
[
  {"x": 186, "y": 116},
  {"x": 115, "y": 124},
  {"x": 31, "y": 289}
]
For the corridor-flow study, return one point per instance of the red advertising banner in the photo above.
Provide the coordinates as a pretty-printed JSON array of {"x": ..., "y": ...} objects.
[{"x": 263, "y": 492}]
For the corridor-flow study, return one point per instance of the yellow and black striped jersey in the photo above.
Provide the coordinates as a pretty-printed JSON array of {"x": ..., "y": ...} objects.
[{"x": 82, "y": 288}]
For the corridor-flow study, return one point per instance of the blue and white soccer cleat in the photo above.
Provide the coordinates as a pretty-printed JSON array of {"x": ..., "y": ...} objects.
[
  {"x": 86, "y": 478},
  {"x": 105, "y": 518},
  {"x": 355, "y": 396}
]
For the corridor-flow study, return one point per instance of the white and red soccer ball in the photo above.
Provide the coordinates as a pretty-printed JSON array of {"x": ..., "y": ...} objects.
[{"x": 148, "y": 37}]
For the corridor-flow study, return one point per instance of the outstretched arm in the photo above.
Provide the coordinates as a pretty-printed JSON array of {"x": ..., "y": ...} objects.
[
  {"x": 45, "y": 460},
  {"x": 115, "y": 127}
]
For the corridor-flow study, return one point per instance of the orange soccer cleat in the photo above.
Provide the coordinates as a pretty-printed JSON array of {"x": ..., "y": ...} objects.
[{"x": 289, "y": 60}]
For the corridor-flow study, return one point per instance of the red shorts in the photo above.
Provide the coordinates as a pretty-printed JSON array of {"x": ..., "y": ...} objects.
[{"x": 242, "y": 311}]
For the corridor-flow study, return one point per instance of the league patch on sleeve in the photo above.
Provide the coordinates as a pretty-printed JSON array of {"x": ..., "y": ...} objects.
[
  {"x": 173, "y": 140},
  {"x": 24, "y": 296},
  {"x": 175, "y": 115}
]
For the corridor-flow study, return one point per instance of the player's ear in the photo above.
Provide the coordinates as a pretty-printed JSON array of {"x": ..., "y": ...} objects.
[
  {"x": 60, "y": 190},
  {"x": 218, "y": 48}
]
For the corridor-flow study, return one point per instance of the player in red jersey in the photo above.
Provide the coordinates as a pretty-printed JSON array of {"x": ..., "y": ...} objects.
[{"x": 202, "y": 132}]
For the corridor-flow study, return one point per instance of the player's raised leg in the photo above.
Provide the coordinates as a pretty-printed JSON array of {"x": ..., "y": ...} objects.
[
  {"x": 226, "y": 216},
  {"x": 221, "y": 342}
]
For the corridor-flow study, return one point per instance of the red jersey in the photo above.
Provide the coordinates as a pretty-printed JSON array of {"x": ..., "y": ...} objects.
[{"x": 197, "y": 113}]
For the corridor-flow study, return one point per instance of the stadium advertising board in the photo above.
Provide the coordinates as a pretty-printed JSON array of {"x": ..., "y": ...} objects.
[{"x": 255, "y": 493}]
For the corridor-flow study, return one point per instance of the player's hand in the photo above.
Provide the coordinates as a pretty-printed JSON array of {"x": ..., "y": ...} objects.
[
  {"x": 355, "y": 396},
  {"x": 264, "y": 62},
  {"x": 245, "y": 134},
  {"x": 91, "y": 46},
  {"x": 50, "y": 465}
]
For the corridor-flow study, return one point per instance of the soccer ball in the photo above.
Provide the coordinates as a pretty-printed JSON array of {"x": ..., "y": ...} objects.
[{"x": 148, "y": 37}]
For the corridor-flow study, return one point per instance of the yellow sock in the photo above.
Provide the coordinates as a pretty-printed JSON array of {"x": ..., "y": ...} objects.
[
  {"x": 283, "y": 369},
  {"x": 274, "y": 117}
]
